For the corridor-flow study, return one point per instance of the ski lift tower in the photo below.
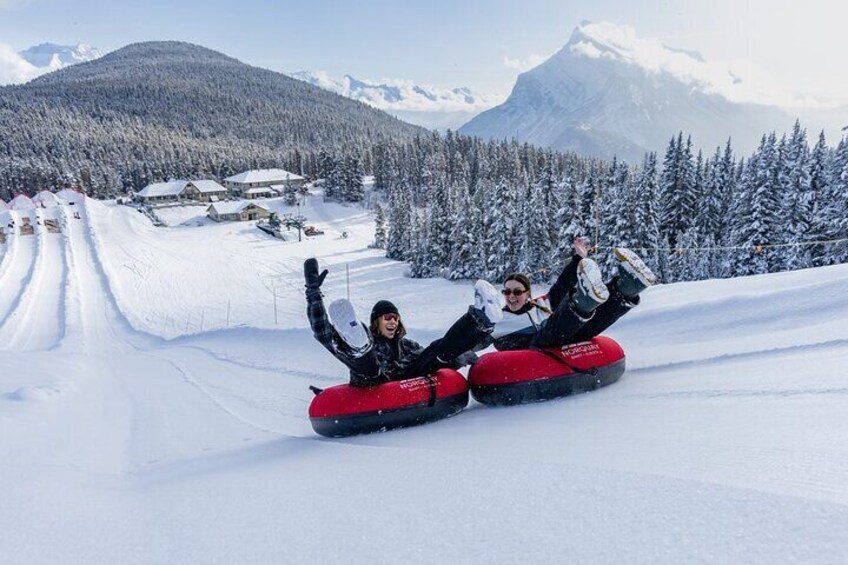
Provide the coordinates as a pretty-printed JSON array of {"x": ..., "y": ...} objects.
[{"x": 299, "y": 223}]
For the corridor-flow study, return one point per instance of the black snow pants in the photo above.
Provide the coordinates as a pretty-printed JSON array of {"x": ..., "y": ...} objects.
[
  {"x": 463, "y": 336},
  {"x": 382, "y": 364},
  {"x": 565, "y": 326}
]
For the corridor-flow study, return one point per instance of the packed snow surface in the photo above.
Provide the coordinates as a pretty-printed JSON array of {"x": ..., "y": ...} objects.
[{"x": 153, "y": 400}]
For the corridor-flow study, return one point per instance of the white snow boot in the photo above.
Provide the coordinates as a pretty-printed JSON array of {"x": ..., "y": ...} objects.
[
  {"x": 634, "y": 276},
  {"x": 349, "y": 328},
  {"x": 488, "y": 300},
  {"x": 591, "y": 291}
]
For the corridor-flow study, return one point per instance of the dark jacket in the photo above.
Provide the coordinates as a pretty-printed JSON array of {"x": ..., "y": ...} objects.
[
  {"x": 386, "y": 361},
  {"x": 395, "y": 355}
]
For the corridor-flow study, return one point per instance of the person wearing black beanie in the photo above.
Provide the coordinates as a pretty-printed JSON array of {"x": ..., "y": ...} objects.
[
  {"x": 383, "y": 307},
  {"x": 381, "y": 352}
]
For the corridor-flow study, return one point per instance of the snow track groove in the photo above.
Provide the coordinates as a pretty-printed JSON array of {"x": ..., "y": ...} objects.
[
  {"x": 17, "y": 273},
  {"x": 37, "y": 320}
]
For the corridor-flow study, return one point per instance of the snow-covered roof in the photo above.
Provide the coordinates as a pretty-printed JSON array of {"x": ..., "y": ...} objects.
[
  {"x": 208, "y": 186},
  {"x": 68, "y": 195},
  {"x": 45, "y": 197},
  {"x": 264, "y": 175},
  {"x": 21, "y": 202},
  {"x": 170, "y": 188},
  {"x": 234, "y": 207},
  {"x": 260, "y": 190}
]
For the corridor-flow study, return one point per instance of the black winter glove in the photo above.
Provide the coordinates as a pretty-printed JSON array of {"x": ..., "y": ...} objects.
[
  {"x": 467, "y": 358},
  {"x": 310, "y": 273}
]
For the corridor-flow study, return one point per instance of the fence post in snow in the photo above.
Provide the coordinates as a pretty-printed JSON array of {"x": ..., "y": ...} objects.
[
  {"x": 274, "y": 290},
  {"x": 202, "y": 316}
]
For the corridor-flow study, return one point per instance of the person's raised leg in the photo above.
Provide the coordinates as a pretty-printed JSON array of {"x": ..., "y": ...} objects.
[
  {"x": 633, "y": 277},
  {"x": 468, "y": 332},
  {"x": 572, "y": 314}
]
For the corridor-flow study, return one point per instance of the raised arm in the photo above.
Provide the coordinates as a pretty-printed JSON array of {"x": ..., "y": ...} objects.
[
  {"x": 568, "y": 277},
  {"x": 315, "y": 311}
]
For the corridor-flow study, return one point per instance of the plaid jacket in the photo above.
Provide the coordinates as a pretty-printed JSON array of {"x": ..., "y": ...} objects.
[
  {"x": 387, "y": 360},
  {"x": 319, "y": 322}
]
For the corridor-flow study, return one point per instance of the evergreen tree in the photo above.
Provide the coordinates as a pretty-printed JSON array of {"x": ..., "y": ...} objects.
[
  {"x": 677, "y": 190},
  {"x": 798, "y": 201},
  {"x": 645, "y": 229},
  {"x": 503, "y": 252},
  {"x": 823, "y": 200},
  {"x": 398, "y": 241},
  {"x": 439, "y": 227},
  {"x": 380, "y": 227}
]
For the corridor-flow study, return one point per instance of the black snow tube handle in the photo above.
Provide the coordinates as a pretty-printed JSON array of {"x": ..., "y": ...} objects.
[
  {"x": 315, "y": 390},
  {"x": 431, "y": 382},
  {"x": 593, "y": 371}
]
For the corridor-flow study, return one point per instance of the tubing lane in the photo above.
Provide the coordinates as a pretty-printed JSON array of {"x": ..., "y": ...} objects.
[
  {"x": 36, "y": 323},
  {"x": 17, "y": 269}
]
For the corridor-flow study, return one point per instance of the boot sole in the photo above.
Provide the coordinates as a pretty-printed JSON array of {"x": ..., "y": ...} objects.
[
  {"x": 592, "y": 281},
  {"x": 635, "y": 266},
  {"x": 490, "y": 297},
  {"x": 344, "y": 320}
]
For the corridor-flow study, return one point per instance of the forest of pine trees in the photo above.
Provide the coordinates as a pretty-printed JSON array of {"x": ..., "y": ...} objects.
[{"x": 459, "y": 207}]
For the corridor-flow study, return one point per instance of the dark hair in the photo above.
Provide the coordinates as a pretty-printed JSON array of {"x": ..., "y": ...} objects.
[
  {"x": 519, "y": 277},
  {"x": 375, "y": 328},
  {"x": 525, "y": 282}
]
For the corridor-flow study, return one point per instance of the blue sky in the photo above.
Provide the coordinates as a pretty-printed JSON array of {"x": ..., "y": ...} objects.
[{"x": 482, "y": 44}]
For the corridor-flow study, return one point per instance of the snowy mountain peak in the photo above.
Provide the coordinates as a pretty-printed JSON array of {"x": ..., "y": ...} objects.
[
  {"x": 608, "y": 92},
  {"x": 52, "y": 56},
  {"x": 605, "y": 41},
  {"x": 401, "y": 94},
  {"x": 425, "y": 105}
]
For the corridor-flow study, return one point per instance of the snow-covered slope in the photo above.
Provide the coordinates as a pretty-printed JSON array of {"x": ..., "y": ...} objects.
[
  {"x": 723, "y": 442},
  {"x": 424, "y": 105},
  {"x": 609, "y": 92}
]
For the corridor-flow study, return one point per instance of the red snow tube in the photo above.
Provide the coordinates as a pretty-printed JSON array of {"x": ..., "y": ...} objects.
[
  {"x": 529, "y": 375},
  {"x": 344, "y": 410}
]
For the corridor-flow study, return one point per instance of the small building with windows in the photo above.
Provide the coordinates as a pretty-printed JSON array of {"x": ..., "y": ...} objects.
[
  {"x": 170, "y": 191},
  {"x": 237, "y": 211},
  {"x": 177, "y": 190},
  {"x": 262, "y": 178},
  {"x": 207, "y": 190}
]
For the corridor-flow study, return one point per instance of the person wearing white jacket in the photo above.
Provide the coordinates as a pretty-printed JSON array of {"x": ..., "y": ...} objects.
[{"x": 576, "y": 308}]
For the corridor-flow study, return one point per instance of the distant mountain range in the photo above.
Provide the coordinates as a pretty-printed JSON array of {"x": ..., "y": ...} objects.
[
  {"x": 424, "y": 105},
  {"x": 608, "y": 92},
  {"x": 56, "y": 57}
]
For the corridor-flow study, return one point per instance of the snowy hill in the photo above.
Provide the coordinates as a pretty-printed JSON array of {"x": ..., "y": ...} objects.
[
  {"x": 723, "y": 441},
  {"x": 425, "y": 105},
  {"x": 609, "y": 92},
  {"x": 59, "y": 56},
  {"x": 154, "y": 109}
]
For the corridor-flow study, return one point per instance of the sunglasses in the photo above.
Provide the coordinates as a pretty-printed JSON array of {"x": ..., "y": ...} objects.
[
  {"x": 512, "y": 291},
  {"x": 390, "y": 317}
]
